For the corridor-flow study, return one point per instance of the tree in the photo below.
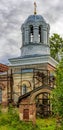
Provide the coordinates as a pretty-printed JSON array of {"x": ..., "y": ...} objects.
[
  {"x": 56, "y": 46},
  {"x": 57, "y": 100}
]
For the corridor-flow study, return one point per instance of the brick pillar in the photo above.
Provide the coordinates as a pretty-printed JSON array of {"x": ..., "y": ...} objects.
[
  {"x": 32, "y": 113},
  {"x": 27, "y": 111}
]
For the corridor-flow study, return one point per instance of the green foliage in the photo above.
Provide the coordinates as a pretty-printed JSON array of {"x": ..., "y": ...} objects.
[
  {"x": 8, "y": 117},
  {"x": 41, "y": 124},
  {"x": 46, "y": 124},
  {"x": 56, "y": 46},
  {"x": 10, "y": 121},
  {"x": 57, "y": 100},
  {"x": 58, "y": 91}
]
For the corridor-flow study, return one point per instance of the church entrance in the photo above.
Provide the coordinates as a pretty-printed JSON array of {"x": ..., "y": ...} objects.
[
  {"x": 26, "y": 114},
  {"x": 43, "y": 108}
]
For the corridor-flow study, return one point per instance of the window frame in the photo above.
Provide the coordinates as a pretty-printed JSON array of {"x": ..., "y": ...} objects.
[{"x": 24, "y": 89}]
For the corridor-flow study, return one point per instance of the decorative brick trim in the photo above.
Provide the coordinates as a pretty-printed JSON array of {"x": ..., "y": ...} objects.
[{"x": 2, "y": 86}]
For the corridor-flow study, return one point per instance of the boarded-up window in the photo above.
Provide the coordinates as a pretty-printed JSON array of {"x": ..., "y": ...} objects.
[{"x": 26, "y": 114}]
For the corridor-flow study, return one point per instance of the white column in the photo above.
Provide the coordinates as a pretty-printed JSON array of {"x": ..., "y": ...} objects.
[
  {"x": 26, "y": 36},
  {"x": 48, "y": 36},
  {"x": 22, "y": 38},
  {"x": 44, "y": 35},
  {"x": 42, "y": 40}
]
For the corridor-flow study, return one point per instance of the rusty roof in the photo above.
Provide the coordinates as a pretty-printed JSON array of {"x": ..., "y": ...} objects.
[{"x": 3, "y": 67}]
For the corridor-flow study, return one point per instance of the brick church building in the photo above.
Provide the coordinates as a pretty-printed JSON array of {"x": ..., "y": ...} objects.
[{"x": 29, "y": 79}]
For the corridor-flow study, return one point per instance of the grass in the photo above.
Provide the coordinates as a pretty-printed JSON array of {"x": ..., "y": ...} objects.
[
  {"x": 41, "y": 124},
  {"x": 46, "y": 124},
  {"x": 10, "y": 121}
]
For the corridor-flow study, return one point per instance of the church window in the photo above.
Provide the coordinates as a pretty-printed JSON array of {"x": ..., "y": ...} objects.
[
  {"x": 39, "y": 38},
  {"x": 31, "y": 33},
  {"x": 24, "y": 89},
  {"x": 0, "y": 95}
]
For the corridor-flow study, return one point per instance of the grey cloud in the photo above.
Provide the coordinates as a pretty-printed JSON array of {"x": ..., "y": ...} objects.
[
  {"x": 10, "y": 50},
  {"x": 12, "y": 15},
  {"x": 54, "y": 12},
  {"x": 5, "y": 58}
]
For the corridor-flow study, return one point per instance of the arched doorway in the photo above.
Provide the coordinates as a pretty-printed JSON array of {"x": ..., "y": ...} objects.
[{"x": 43, "y": 105}]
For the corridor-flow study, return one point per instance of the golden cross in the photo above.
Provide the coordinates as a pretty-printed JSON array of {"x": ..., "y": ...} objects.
[{"x": 35, "y": 8}]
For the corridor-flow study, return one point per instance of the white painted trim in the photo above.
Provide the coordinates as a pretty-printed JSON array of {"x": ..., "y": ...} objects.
[{"x": 32, "y": 60}]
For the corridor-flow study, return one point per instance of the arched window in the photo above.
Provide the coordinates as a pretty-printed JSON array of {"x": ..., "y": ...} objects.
[
  {"x": 43, "y": 105},
  {"x": 0, "y": 95},
  {"x": 24, "y": 89},
  {"x": 31, "y": 33},
  {"x": 39, "y": 39}
]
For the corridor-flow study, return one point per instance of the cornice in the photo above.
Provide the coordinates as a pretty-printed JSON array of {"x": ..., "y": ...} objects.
[{"x": 32, "y": 60}]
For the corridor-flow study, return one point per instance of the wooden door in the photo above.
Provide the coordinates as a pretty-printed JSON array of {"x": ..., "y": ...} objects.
[{"x": 26, "y": 114}]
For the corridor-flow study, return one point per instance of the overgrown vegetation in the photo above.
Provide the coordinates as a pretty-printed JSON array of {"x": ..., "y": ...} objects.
[
  {"x": 10, "y": 121},
  {"x": 56, "y": 46},
  {"x": 57, "y": 100}
]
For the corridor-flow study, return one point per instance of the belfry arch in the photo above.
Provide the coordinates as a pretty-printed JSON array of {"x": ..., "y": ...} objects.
[
  {"x": 40, "y": 33},
  {"x": 33, "y": 95},
  {"x": 42, "y": 100},
  {"x": 31, "y": 33}
]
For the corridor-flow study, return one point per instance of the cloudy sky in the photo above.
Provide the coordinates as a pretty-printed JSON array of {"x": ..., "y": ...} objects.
[{"x": 12, "y": 15}]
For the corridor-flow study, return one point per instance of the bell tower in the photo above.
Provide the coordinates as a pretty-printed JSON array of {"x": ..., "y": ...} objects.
[
  {"x": 33, "y": 71},
  {"x": 35, "y": 36}
]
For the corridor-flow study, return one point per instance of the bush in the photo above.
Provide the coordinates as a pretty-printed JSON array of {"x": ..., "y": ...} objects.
[{"x": 10, "y": 121}]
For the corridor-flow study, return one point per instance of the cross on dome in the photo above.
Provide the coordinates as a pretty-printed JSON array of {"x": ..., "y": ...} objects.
[{"x": 35, "y": 6}]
